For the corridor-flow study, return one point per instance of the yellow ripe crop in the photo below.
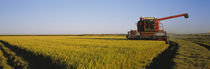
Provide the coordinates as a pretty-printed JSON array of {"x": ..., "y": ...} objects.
[{"x": 93, "y": 52}]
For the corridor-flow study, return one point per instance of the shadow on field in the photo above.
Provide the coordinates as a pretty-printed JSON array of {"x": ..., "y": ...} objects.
[
  {"x": 12, "y": 60},
  {"x": 165, "y": 59},
  {"x": 35, "y": 61}
]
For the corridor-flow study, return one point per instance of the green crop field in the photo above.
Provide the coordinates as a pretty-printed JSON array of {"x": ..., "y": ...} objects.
[{"x": 81, "y": 52}]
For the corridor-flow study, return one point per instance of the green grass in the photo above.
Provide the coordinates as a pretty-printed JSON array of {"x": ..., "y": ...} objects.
[{"x": 92, "y": 52}]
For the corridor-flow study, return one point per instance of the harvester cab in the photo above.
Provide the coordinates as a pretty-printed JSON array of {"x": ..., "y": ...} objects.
[{"x": 150, "y": 28}]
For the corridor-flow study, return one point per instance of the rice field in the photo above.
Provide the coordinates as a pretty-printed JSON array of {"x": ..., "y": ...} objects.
[
  {"x": 87, "y": 52},
  {"x": 193, "y": 52},
  {"x": 191, "y": 56}
]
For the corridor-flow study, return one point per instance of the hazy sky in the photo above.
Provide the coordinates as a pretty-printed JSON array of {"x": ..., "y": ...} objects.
[{"x": 99, "y": 16}]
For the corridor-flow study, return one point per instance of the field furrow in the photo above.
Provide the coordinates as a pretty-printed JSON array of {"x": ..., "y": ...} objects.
[
  {"x": 31, "y": 61},
  {"x": 12, "y": 59},
  {"x": 203, "y": 45},
  {"x": 3, "y": 61}
]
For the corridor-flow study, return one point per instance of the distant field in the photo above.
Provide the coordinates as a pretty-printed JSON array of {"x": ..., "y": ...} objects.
[
  {"x": 93, "y": 52},
  {"x": 201, "y": 39}
]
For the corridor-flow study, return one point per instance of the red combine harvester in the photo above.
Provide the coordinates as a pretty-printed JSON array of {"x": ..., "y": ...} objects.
[{"x": 150, "y": 28}]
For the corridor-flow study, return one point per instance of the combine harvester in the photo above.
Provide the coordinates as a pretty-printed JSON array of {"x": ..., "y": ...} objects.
[{"x": 150, "y": 28}]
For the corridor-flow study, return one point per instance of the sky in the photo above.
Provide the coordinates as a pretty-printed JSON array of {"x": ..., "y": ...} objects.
[{"x": 99, "y": 16}]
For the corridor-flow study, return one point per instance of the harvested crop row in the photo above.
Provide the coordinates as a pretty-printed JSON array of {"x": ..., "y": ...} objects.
[
  {"x": 191, "y": 56},
  {"x": 13, "y": 60},
  {"x": 3, "y": 61},
  {"x": 98, "y": 52},
  {"x": 203, "y": 39}
]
